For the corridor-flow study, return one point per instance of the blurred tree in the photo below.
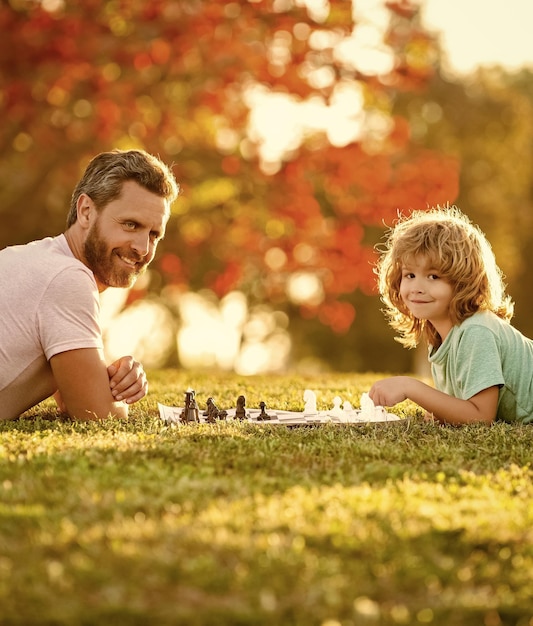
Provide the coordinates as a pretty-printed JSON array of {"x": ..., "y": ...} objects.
[
  {"x": 519, "y": 282},
  {"x": 486, "y": 121},
  {"x": 179, "y": 78}
]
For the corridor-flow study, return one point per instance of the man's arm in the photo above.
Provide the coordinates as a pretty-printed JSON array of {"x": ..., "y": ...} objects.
[
  {"x": 83, "y": 383},
  {"x": 447, "y": 409}
]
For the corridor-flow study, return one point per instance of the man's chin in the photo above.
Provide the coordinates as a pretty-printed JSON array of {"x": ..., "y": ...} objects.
[
  {"x": 119, "y": 282},
  {"x": 126, "y": 283}
]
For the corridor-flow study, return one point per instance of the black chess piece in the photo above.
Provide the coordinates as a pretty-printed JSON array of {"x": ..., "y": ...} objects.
[
  {"x": 222, "y": 414},
  {"x": 213, "y": 413},
  {"x": 263, "y": 415},
  {"x": 190, "y": 412},
  {"x": 240, "y": 410}
]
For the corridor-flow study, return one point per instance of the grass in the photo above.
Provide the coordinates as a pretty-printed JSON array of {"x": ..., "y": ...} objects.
[{"x": 135, "y": 522}]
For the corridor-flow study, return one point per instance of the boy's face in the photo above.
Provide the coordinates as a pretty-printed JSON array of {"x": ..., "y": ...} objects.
[{"x": 426, "y": 294}]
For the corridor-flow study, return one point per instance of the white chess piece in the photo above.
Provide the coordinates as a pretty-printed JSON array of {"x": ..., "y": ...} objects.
[
  {"x": 336, "y": 411},
  {"x": 347, "y": 406},
  {"x": 310, "y": 402},
  {"x": 368, "y": 409}
]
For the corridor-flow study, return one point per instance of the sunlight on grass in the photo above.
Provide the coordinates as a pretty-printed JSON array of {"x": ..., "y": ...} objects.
[{"x": 136, "y": 522}]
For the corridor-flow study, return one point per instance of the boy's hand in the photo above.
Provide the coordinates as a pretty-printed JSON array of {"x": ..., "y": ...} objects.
[
  {"x": 389, "y": 391},
  {"x": 127, "y": 380},
  {"x": 429, "y": 417}
]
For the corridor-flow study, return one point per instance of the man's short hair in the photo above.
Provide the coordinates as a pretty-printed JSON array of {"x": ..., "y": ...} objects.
[{"x": 103, "y": 179}]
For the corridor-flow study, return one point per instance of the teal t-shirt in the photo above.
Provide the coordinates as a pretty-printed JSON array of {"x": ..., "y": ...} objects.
[{"x": 484, "y": 351}]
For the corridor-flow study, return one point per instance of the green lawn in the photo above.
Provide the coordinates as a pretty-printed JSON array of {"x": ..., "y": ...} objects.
[{"x": 136, "y": 522}]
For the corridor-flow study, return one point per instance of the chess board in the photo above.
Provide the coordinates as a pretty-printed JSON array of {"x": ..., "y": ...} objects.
[{"x": 172, "y": 415}]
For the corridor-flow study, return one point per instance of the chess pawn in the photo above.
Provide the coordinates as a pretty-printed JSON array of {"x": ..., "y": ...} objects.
[
  {"x": 263, "y": 414},
  {"x": 221, "y": 414},
  {"x": 337, "y": 411}
]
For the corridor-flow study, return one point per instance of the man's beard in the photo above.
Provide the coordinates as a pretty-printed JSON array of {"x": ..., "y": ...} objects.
[{"x": 106, "y": 265}]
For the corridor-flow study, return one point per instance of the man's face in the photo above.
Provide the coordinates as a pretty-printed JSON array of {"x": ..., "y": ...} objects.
[{"x": 123, "y": 237}]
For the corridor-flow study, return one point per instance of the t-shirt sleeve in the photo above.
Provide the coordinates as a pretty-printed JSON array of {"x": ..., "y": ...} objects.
[
  {"x": 479, "y": 363},
  {"x": 68, "y": 314}
]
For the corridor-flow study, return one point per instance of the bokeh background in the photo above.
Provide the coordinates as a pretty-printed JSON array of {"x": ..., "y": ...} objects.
[{"x": 297, "y": 130}]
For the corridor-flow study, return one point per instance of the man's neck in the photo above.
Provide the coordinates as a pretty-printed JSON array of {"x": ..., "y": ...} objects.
[{"x": 75, "y": 243}]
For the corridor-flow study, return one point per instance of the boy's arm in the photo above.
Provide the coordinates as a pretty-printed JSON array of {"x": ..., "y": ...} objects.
[
  {"x": 83, "y": 383},
  {"x": 447, "y": 409}
]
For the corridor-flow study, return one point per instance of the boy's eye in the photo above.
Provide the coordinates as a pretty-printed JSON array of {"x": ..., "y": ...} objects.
[{"x": 434, "y": 277}]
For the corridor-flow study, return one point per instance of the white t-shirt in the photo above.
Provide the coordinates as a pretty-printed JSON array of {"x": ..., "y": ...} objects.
[{"x": 49, "y": 304}]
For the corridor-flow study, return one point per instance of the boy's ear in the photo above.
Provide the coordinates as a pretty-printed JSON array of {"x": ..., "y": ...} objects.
[{"x": 85, "y": 209}]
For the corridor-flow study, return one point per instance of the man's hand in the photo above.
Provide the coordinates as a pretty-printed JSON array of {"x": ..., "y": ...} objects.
[
  {"x": 127, "y": 380},
  {"x": 61, "y": 406}
]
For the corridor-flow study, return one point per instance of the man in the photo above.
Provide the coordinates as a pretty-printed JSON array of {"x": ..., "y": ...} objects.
[{"x": 50, "y": 338}]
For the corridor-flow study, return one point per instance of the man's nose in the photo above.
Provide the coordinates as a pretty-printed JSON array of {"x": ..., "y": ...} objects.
[{"x": 141, "y": 244}]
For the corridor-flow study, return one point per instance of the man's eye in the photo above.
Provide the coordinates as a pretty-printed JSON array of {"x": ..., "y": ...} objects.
[{"x": 130, "y": 225}]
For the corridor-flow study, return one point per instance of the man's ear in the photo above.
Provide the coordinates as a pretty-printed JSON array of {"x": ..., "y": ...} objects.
[{"x": 85, "y": 210}]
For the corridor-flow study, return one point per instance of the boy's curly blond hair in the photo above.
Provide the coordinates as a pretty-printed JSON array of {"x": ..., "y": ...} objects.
[{"x": 461, "y": 254}]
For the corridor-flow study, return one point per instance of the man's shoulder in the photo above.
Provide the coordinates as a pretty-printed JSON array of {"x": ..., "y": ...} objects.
[
  {"x": 50, "y": 255},
  {"x": 44, "y": 266},
  {"x": 54, "y": 249}
]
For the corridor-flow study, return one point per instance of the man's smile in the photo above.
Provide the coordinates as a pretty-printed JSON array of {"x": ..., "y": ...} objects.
[{"x": 133, "y": 263}]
